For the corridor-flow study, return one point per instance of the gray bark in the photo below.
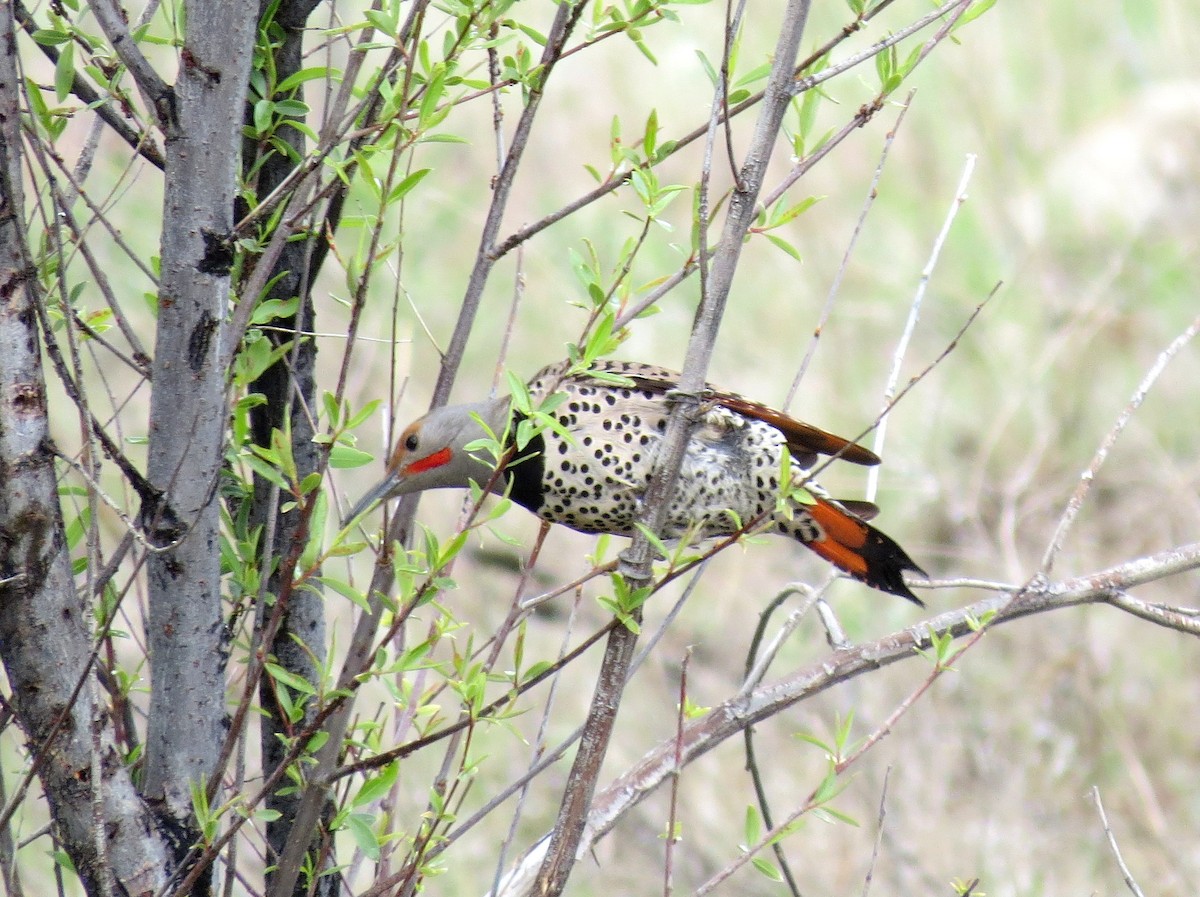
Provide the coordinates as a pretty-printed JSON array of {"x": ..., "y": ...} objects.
[
  {"x": 188, "y": 410},
  {"x": 45, "y": 638}
]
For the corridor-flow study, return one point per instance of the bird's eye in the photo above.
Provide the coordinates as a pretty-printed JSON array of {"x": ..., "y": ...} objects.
[{"x": 411, "y": 443}]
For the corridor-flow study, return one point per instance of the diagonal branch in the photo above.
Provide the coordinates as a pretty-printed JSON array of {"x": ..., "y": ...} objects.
[{"x": 155, "y": 91}]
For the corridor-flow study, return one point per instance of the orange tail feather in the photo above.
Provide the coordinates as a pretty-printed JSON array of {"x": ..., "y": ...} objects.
[{"x": 859, "y": 549}]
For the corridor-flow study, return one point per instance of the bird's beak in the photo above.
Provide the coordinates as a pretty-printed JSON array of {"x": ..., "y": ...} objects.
[{"x": 377, "y": 493}]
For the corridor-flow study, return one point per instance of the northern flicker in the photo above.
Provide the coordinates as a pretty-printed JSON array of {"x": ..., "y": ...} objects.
[{"x": 593, "y": 478}]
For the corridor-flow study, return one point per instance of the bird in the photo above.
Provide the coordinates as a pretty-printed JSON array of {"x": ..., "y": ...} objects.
[{"x": 589, "y": 468}]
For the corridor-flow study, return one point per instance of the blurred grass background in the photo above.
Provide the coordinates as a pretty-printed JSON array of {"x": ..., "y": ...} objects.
[{"x": 1085, "y": 202}]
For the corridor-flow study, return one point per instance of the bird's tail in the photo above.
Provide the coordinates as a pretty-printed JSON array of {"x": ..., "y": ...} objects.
[{"x": 851, "y": 544}]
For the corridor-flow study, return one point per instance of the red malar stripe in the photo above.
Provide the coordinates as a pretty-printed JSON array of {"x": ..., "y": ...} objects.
[{"x": 437, "y": 459}]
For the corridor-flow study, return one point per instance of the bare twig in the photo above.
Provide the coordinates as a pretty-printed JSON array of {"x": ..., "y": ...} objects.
[
  {"x": 671, "y": 834},
  {"x": 835, "y": 635},
  {"x": 878, "y": 833},
  {"x": 1112, "y": 842},
  {"x": 914, "y": 314},
  {"x": 756, "y": 668},
  {"x": 756, "y": 664},
  {"x": 1089, "y": 475}
]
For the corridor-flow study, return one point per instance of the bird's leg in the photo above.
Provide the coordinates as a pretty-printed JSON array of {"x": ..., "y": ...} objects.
[{"x": 699, "y": 404}]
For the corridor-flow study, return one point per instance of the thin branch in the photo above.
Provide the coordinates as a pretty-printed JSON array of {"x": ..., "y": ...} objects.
[
  {"x": 670, "y": 835},
  {"x": 154, "y": 89},
  {"x": 1112, "y": 842},
  {"x": 914, "y": 314},
  {"x": 756, "y": 665},
  {"x": 756, "y": 668},
  {"x": 887, "y": 773},
  {"x": 1089, "y": 475}
]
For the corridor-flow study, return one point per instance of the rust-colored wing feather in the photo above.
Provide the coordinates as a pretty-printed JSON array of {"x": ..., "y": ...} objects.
[{"x": 804, "y": 440}]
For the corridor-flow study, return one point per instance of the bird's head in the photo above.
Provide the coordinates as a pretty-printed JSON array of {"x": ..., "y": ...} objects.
[{"x": 432, "y": 452}]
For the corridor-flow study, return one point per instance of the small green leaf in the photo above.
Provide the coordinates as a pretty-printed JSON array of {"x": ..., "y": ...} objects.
[
  {"x": 64, "y": 72},
  {"x": 973, "y": 12},
  {"x": 405, "y": 186},
  {"x": 785, "y": 246},
  {"x": 752, "y": 827},
  {"x": 290, "y": 679},
  {"x": 309, "y": 74},
  {"x": 767, "y": 868},
  {"x": 377, "y": 785},
  {"x": 344, "y": 456},
  {"x": 359, "y": 826}
]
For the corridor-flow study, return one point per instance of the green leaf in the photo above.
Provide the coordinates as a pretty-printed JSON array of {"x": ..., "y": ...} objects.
[
  {"x": 752, "y": 827},
  {"x": 290, "y": 679},
  {"x": 816, "y": 742},
  {"x": 49, "y": 37},
  {"x": 346, "y": 591},
  {"x": 309, "y": 74},
  {"x": 708, "y": 68},
  {"x": 433, "y": 96},
  {"x": 272, "y": 309},
  {"x": 405, "y": 186},
  {"x": 64, "y": 72},
  {"x": 359, "y": 826},
  {"x": 377, "y": 785},
  {"x": 344, "y": 456},
  {"x": 442, "y": 138},
  {"x": 785, "y": 246},
  {"x": 973, "y": 12},
  {"x": 650, "y": 138},
  {"x": 264, "y": 112},
  {"x": 536, "y": 36},
  {"x": 767, "y": 868},
  {"x": 357, "y": 418}
]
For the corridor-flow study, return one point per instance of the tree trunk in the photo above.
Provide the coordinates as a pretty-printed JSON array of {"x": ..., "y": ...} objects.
[
  {"x": 188, "y": 410},
  {"x": 45, "y": 628}
]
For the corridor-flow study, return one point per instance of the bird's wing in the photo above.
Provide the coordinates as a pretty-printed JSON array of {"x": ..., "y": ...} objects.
[{"x": 803, "y": 440}]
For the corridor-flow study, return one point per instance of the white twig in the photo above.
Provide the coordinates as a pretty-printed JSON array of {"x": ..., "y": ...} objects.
[
  {"x": 835, "y": 635},
  {"x": 1112, "y": 842},
  {"x": 1086, "y": 478},
  {"x": 878, "y": 833},
  {"x": 914, "y": 315}
]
